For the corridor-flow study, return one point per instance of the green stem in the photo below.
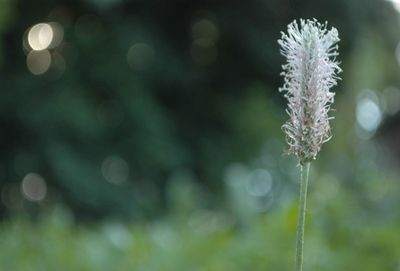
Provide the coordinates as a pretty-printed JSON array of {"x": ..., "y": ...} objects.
[{"x": 305, "y": 170}]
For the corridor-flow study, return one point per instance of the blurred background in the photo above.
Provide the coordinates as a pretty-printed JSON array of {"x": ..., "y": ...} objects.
[{"x": 146, "y": 135}]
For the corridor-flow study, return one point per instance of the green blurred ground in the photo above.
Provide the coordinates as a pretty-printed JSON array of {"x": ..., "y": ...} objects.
[{"x": 348, "y": 243}]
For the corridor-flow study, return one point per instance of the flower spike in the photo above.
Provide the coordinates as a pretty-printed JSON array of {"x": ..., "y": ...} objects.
[{"x": 310, "y": 71}]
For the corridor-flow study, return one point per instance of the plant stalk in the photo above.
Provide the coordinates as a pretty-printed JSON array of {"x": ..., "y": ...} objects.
[{"x": 305, "y": 170}]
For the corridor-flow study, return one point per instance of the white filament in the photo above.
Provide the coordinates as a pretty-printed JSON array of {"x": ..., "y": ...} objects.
[{"x": 310, "y": 71}]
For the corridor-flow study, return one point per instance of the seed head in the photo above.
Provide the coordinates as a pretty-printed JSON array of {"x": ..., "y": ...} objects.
[{"x": 310, "y": 71}]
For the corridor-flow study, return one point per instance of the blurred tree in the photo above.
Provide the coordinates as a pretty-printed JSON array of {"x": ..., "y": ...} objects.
[{"x": 139, "y": 90}]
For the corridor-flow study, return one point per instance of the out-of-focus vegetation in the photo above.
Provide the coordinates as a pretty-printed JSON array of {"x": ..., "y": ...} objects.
[
  {"x": 145, "y": 135},
  {"x": 338, "y": 238}
]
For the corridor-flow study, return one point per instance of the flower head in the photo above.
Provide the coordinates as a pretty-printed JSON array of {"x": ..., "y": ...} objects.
[{"x": 310, "y": 71}]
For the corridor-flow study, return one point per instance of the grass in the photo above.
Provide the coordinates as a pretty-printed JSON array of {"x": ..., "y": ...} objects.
[{"x": 206, "y": 240}]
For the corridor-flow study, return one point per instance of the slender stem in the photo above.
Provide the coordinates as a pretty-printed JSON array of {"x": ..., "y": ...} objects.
[{"x": 305, "y": 170}]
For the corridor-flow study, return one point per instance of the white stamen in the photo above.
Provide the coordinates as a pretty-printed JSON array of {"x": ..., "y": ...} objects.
[{"x": 310, "y": 71}]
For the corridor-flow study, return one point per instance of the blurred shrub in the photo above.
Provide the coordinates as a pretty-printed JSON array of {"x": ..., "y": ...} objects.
[{"x": 204, "y": 240}]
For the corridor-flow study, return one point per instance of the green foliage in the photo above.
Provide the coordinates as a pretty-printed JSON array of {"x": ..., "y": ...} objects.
[
  {"x": 205, "y": 240},
  {"x": 164, "y": 87}
]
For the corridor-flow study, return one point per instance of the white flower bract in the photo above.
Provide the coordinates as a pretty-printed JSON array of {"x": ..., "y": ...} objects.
[{"x": 309, "y": 73}]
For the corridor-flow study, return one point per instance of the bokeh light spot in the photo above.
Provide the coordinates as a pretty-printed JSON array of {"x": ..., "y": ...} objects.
[
  {"x": 260, "y": 183},
  {"x": 58, "y": 34},
  {"x": 368, "y": 114},
  {"x": 117, "y": 234},
  {"x": 205, "y": 33},
  {"x": 38, "y": 62},
  {"x": 115, "y": 169},
  {"x": 205, "y": 36},
  {"x": 34, "y": 187},
  {"x": 140, "y": 56},
  {"x": 396, "y": 4},
  {"x": 40, "y": 36}
]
